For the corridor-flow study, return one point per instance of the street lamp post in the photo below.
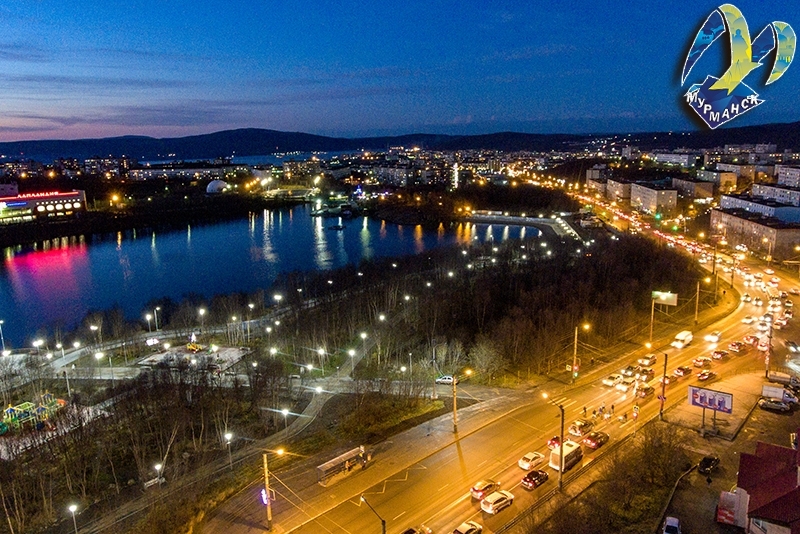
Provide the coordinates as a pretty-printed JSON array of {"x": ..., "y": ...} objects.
[
  {"x": 72, "y": 509},
  {"x": 37, "y": 344},
  {"x": 61, "y": 347},
  {"x": 267, "y": 496},
  {"x": 155, "y": 315},
  {"x": 2, "y": 339},
  {"x": 285, "y": 413},
  {"x": 383, "y": 521},
  {"x": 575, "y": 352},
  {"x": 158, "y": 467},
  {"x": 202, "y": 313},
  {"x": 663, "y": 389},
  {"x": 148, "y": 317},
  {"x": 561, "y": 443},
  {"x": 468, "y": 372},
  {"x": 99, "y": 356},
  {"x": 228, "y": 438}
]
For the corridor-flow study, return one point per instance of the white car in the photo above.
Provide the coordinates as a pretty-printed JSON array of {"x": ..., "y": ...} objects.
[
  {"x": 497, "y": 501},
  {"x": 612, "y": 380},
  {"x": 647, "y": 360},
  {"x": 769, "y": 271},
  {"x": 714, "y": 336},
  {"x": 626, "y": 384},
  {"x": 671, "y": 526},
  {"x": 748, "y": 319},
  {"x": 530, "y": 460},
  {"x": 763, "y": 327},
  {"x": 468, "y": 527},
  {"x": 446, "y": 379}
]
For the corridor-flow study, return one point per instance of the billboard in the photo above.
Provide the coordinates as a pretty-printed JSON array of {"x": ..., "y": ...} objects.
[
  {"x": 665, "y": 297},
  {"x": 713, "y": 400}
]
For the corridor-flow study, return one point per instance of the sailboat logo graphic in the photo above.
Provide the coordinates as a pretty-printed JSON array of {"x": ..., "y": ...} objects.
[{"x": 719, "y": 100}]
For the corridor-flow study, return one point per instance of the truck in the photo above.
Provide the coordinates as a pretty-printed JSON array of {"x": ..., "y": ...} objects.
[
  {"x": 783, "y": 378},
  {"x": 682, "y": 339},
  {"x": 573, "y": 453},
  {"x": 778, "y": 392}
]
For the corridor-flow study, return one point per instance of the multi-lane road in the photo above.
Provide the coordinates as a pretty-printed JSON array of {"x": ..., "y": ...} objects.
[{"x": 435, "y": 490}]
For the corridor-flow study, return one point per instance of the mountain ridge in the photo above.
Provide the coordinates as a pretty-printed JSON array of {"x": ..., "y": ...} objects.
[{"x": 260, "y": 141}]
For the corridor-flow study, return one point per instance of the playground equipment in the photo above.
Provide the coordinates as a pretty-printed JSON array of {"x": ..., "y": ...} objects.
[{"x": 16, "y": 417}]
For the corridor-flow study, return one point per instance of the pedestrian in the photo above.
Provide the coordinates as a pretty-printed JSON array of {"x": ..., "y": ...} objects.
[
  {"x": 612, "y": 409},
  {"x": 594, "y": 414},
  {"x": 708, "y": 481},
  {"x": 584, "y": 411},
  {"x": 592, "y": 360}
]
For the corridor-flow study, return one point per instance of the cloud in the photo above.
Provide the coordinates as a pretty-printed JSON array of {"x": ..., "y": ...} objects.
[
  {"x": 529, "y": 52},
  {"x": 50, "y": 80},
  {"x": 23, "y": 53}
]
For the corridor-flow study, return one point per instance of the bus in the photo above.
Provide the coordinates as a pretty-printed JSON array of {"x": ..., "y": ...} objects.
[{"x": 572, "y": 456}]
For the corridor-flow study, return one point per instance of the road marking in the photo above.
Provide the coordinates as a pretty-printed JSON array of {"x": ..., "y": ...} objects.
[
  {"x": 443, "y": 487},
  {"x": 398, "y": 516}
]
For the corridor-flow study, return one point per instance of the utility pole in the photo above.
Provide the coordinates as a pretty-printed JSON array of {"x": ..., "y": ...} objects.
[
  {"x": 664, "y": 387},
  {"x": 455, "y": 402}
]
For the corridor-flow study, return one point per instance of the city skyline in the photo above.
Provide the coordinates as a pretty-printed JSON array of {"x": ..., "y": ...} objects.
[{"x": 83, "y": 70}]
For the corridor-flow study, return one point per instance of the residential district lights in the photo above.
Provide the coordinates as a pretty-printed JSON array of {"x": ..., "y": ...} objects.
[
  {"x": 560, "y": 444},
  {"x": 202, "y": 313},
  {"x": 158, "y": 468},
  {"x": 285, "y": 413},
  {"x": 228, "y": 438}
]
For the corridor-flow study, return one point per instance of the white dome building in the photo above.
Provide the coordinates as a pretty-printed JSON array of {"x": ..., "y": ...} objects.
[{"x": 216, "y": 187}]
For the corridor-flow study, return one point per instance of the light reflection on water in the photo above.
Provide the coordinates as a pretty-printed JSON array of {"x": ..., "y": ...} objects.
[{"x": 63, "y": 279}]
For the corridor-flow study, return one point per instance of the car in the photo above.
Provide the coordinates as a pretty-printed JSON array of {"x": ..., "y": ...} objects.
[
  {"x": 626, "y": 384},
  {"x": 792, "y": 346},
  {"x": 773, "y": 404},
  {"x": 644, "y": 391},
  {"x": 772, "y": 284},
  {"x": 708, "y": 464},
  {"x": 595, "y": 440},
  {"x": 484, "y": 487},
  {"x": 758, "y": 302},
  {"x": 769, "y": 271},
  {"x": 534, "y": 479},
  {"x": 445, "y": 379},
  {"x": 719, "y": 354},
  {"x": 763, "y": 346},
  {"x": 713, "y": 337},
  {"x": 645, "y": 373},
  {"x": 671, "y": 526},
  {"x": 422, "y": 529},
  {"x": 794, "y": 291},
  {"x": 763, "y": 326},
  {"x": 746, "y": 297},
  {"x": 702, "y": 361},
  {"x": 664, "y": 380},
  {"x": 497, "y": 501},
  {"x": 788, "y": 303},
  {"x": 530, "y": 460},
  {"x": 553, "y": 442},
  {"x": 747, "y": 319},
  {"x": 774, "y": 279},
  {"x": 581, "y": 427},
  {"x": 647, "y": 360},
  {"x": 628, "y": 371},
  {"x": 468, "y": 527},
  {"x": 788, "y": 314},
  {"x": 779, "y": 323},
  {"x": 612, "y": 380},
  {"x": 706, "y": 375},
  {"x": 750, "y": 339},
  {"x": 683, "y": 370},
  {"x": 736, "y": 346}
]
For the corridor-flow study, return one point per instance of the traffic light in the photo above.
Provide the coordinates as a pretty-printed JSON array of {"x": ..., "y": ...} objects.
[{"x": 575, "y": 374}]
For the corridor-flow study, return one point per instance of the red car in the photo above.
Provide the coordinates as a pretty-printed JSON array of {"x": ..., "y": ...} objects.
[
  {"x": 719, "y": 354},
  {"x": 751, "y": 339},
  {"x": 554, "y": 442},
  {"x": 706, "y": 375},
  {"x": 736, "y": 346}
]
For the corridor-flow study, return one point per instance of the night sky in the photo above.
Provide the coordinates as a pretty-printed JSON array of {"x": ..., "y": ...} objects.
[{"x": 170, "y": 68}]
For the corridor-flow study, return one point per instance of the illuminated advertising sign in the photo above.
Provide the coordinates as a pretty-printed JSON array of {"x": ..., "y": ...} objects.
[{"x": 713, "y": 400}]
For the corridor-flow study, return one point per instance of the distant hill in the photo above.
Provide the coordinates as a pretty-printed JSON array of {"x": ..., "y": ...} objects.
[{"x": 255, "y": 141}]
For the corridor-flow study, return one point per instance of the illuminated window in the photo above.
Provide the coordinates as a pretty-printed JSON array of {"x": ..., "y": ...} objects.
[
  {"x": 39, "y": 208},
  {"x": 49, "y": 207},
  {"x": 59, "y": 207},
  {"x": 76, "y": 205}
]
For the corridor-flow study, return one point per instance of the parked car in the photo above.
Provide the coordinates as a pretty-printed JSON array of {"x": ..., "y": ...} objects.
[
  {"x": 708, "y": 464},
  {"x": 716, "y": 335},
  {"x": 612, "y": 380},
  {"x": 445, "y": 379},
  {"x": 468, "y": 527},
  {"x": 530, "y": 460},
  {"x": 736, "y": 346},
  {"x": 581, "y": 427},
  {"x": 774, "y": 405},
  {"x": 702, "y": 361},
  {"x": 683, "y": 370},
  {"x": 534, "y": 479},
  {"x": 497, "y": 501},
  {"x": 595, "y": 440},
  {"x": 484, "y": 487},
  {"x": 719, "y": 354},
  {"x": 703, "y": 376}
]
